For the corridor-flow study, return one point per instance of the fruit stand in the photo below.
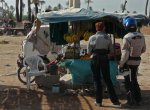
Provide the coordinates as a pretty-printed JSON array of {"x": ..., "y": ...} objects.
[{"x": 78, "y": 25}]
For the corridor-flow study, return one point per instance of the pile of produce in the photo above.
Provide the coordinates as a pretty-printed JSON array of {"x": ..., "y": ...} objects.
[
  {"x": 70, "y": 38},
  {"x": 87, "y": 35},
  {"x": 85, "y": 57}
]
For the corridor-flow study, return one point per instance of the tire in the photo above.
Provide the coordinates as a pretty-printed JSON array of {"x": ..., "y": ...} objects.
[{"x": 22, "y": 75}]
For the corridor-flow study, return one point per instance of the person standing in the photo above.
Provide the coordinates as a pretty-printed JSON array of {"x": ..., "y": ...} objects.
[
  {"x": 100, "y": 47},
  {"x": 132, "y": 48}
]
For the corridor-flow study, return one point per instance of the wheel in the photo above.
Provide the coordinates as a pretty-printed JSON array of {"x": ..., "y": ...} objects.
[{"x": 21, "y": 73}]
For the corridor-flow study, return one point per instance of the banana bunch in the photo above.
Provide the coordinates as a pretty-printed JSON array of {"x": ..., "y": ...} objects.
[
  {"x": 80, "y": 34},
  {"x": 87, "y": 35},
  {"x": 70, "y": 38}
]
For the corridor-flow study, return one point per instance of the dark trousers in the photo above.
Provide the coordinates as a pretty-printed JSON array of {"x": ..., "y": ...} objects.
[
  {"x": 132, "y": 86},
  {"x": 100, "y": 64}
]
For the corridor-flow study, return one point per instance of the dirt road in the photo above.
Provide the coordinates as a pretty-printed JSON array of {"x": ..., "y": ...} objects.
[{"x": 14, "y": 96}]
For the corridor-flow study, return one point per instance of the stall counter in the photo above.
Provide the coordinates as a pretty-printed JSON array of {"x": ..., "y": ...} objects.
[{"x": 81, "y": 71}]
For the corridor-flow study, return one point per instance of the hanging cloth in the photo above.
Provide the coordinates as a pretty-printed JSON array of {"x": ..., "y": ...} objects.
[{"x": 57, "y": 31}]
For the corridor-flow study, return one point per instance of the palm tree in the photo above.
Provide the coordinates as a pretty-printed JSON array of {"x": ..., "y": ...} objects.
[
  {"x": 11, "y": 11},
  {"x": 115, "y": 11},
  {"x": 146, "y": 7},
  {"x": 123, "y": 6},
  {"x": 36, "y": 2},
  {"x": 59, "y": 6},
  {"x": 149, "y": 15},
  {"x": 6, "y": 5},
  {"x": 2, "y": 1},
  {"x": 5, "y": 9},
  {"x": 29, "y": 10},
  {"x": 67, "y": 3},
  {"x": 55, "y": 8},
  {"x": 88, "y": 2},
  {"x": 21, "y": 10},
  {"x": 103, "y": 9},
  {"x": 49, "y": 7},
  {"x": 17, "y": 10},
  {"x": 41, "y": 2},
  {"x": 134, "y": 12},
  {"x": 128, "y": 11}
]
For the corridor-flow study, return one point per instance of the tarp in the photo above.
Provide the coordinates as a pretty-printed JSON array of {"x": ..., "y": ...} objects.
[
  {"x": 74, "y": 14},
  {"x": 113, "y": 21},
  {"x": 81, "y": 71},
  {"x": 79, "y": 14}
]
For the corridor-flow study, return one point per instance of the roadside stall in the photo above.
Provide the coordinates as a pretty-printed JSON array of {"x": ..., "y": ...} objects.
[{"x": 72, "y": 29}]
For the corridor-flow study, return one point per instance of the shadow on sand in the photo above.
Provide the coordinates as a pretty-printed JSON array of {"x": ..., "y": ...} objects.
[{"x": 16, "y": 98}]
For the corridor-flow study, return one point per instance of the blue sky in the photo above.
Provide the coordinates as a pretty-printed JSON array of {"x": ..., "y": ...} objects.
[{"x": 109, "y": 5}]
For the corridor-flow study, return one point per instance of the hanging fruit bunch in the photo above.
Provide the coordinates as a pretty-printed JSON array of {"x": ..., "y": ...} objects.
[
  {"x": 70, "y": 38},
  {"x": 87, "y": 35},
  {"x": 80, "y": 34}
]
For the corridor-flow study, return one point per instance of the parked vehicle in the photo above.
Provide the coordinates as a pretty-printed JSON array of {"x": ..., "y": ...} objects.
[{"x": 37, "y": 43}]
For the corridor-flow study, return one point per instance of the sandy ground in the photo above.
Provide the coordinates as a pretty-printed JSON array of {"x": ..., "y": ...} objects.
[{"x": 14, "y": 96}]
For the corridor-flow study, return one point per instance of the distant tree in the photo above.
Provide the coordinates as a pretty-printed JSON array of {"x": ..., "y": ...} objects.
[
  {"x": 36, "y": 8},
  {"x": 2, "y": 1},
  {"x": 123, "y": 6},
  {"x": 17, "y": 10},
  {"x": 21, "y": 10},
  {"x": 41, "y": 2},
  {"x": 128, "y": 11},
  {"x": 103, "y": 9},
  {"x": 90, "y": 8},
  {"x": 49, "y": 7},
  {"x": 146, "y": 6},
  {"x": 59, "y": 6},
  {"x": 36, "y": 2},
  {"x": 115, "y": 11},
  {"x": 29, "y": 10},
  {"x": 25, "y": 17},
  {"x": 11, "y": 11},
  {"x": 149, "y": 14},
  {"x": 134, "y": 12},
  {"x": 67, "y": 3},
  {"x": 88, "y": 2},
  {"x": 6, "y": 6},
  {"x": 55, "y": 8}
]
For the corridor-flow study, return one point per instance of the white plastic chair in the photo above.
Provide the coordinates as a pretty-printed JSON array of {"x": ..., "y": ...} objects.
[{"x": 32, "y": 64}]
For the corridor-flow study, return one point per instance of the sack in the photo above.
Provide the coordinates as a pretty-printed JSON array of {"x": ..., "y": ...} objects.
[{"x": 124, "y": 71}]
